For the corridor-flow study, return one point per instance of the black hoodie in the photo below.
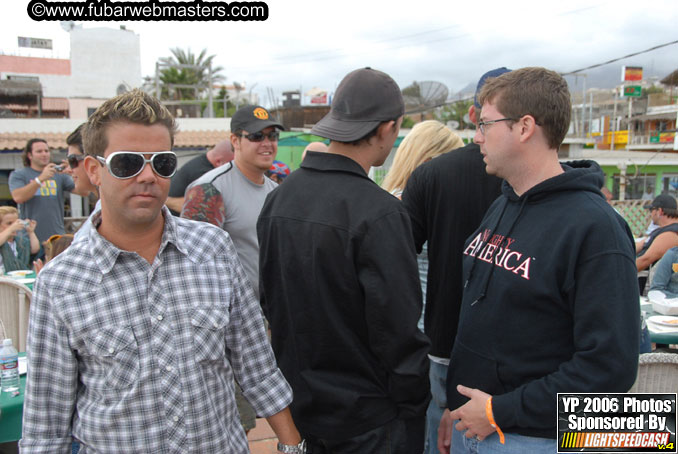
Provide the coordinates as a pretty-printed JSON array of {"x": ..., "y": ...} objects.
[{"x": 550, "y": 303}]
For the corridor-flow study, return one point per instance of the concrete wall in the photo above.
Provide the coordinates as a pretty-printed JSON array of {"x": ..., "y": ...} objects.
[
  {"x": 103, "y": 59},
  {"x": 78, "y": 107}
]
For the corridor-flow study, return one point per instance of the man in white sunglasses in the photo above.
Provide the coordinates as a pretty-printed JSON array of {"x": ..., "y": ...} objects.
[{"x": 137, "y": 331}]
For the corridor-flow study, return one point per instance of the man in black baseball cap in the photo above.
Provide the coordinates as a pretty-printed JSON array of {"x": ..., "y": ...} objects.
[
  {"x": 340, "y": 286},
  {"x": 664, "y": 213}
]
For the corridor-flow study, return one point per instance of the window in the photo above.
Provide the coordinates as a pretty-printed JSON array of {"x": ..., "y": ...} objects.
[
  {"x": 670, "y": 184},
  {"x": 637, "y": 187}
]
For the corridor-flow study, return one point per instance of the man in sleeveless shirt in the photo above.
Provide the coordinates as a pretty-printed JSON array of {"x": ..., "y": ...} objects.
[{"x": 664, "y": 213}]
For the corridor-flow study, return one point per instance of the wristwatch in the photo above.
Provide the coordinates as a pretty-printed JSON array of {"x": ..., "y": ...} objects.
[{"x": 293, "y": 449}]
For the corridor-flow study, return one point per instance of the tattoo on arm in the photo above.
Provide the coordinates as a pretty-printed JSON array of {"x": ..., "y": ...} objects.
[{"x": 204, "y": 203}]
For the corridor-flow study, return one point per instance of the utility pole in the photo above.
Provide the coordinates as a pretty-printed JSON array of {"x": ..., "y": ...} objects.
[
  {"x": 583, "y": 108},
  {"x": 613, "y": 123},
  {"x": 210, "y": 106}
]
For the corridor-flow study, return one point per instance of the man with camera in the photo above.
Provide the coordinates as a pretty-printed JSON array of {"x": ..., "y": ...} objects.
[{"x": 39, "y": 189}]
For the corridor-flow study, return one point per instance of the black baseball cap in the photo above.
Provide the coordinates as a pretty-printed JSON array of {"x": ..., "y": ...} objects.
[
  {"x": 663, "y": 201},
  {"x": 492, "y": 73},
  {"x": 364, "y": 99},
  {"x": 252, "y": 119}
]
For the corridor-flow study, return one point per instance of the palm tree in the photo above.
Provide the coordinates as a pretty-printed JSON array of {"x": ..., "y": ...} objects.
[{"x": 197, "y": 75}]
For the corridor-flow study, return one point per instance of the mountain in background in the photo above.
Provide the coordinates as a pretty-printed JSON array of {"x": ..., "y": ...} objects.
[{"x": 608, "y": 76}]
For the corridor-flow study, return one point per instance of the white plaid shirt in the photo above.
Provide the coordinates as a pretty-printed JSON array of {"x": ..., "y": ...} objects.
[{"x": 131, "y": 357}]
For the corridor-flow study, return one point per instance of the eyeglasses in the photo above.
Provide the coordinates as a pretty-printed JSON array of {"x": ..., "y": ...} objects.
[
  {"x": 74, "y": 160},
  {"x": 128, "y": 164},
  {"x": 260, "y": 136},
  {"x": 482, "y": 124}
]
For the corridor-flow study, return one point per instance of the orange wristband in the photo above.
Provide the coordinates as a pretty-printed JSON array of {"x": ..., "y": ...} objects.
[{"x": 490, "y": 418}]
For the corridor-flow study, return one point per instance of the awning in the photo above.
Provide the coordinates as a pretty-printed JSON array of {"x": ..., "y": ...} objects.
[
  {"x": 656, "y": 116},
  {"x": 48, "y": 105},
  {"x": 19, "y": 88}
]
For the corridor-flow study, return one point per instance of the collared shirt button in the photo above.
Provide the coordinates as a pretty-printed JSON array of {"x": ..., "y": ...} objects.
[
  {"x": 159, "y": 317},
  {"x": 168, "y": 368},
  {"x": 216, "y": 325},
  {"x": 111, "y": 350},
  {"x": 175, "y": 419}
]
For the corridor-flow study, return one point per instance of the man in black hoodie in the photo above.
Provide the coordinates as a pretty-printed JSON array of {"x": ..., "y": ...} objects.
[{"x": 550, "y": 301}]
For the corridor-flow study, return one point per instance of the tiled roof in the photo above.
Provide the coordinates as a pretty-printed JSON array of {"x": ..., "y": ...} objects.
[
  {"x": 183, "y": 139},
  {"x": 200, "y": 138},
  {"x": 17, "y": 140}
]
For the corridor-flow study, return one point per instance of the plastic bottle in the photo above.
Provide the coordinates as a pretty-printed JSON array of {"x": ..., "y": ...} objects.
[{"x": 9, "y": 367}]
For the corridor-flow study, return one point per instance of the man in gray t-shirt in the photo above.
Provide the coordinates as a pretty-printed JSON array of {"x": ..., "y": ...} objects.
[
  {"x": 38, "y": 189},
  {"x": 231, "y": 196}
]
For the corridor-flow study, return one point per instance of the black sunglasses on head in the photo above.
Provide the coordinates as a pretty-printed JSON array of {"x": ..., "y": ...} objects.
[{"x": 74, "y": 160}]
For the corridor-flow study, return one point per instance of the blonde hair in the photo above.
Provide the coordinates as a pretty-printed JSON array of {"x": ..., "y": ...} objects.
[
  {"x": 5, "y": 210},
  {"x": 134, "y": 107},
  {"x": 427, "y": 140}
]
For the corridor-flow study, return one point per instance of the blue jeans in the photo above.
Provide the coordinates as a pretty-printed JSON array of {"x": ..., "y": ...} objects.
[
  {"x": 664, "y": 278},
  {"x": 422, "y": 264},
  {"x": 438, "y": 377},
  {"x": 515, "y": 444}
]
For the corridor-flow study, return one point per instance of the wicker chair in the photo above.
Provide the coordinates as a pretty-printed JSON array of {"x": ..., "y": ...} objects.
[
  {"x": 15, "y": 299},
  {"x": 657, "y": 373}
]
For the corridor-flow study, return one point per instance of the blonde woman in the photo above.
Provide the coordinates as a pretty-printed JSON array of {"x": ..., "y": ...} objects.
[{"x": 427, "y": 140}]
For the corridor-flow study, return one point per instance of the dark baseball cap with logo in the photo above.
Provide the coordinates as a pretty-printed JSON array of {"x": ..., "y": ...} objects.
[
  {"x": 492, "y": 73},
  {"x": 663, "y": 201},
  {"x": 252, "y": 119},
  {"x": 364, "y": 99}
]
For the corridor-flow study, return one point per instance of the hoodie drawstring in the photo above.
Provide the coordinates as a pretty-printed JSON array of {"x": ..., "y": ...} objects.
[{"x": 508, "y": 234}]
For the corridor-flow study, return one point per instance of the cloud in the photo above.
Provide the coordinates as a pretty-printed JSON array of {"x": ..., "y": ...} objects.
[{"x": 307, "y": 43}]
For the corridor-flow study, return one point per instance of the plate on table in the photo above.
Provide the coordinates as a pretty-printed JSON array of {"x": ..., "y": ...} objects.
[
  {"x": 17, "y": 274},
  {"x": 25, "y": 280},
  {"x": 664, "y": 320}
]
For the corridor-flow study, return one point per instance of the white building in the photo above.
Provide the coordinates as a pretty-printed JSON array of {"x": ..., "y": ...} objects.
[{"x": 103, "y": 63}]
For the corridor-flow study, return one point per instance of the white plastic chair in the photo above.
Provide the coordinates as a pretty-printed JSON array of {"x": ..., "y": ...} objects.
[
  {"x": 657, "y": 373},
  {"x": 15, "y": 300}
]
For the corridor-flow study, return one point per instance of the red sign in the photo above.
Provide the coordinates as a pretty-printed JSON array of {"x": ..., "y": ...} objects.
[
  {"x": 322, "y": 99},
  {"x": 630, "y": 73}
]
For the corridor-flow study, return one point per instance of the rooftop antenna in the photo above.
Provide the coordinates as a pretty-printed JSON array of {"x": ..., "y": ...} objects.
[{"x": 67, "y": 25}]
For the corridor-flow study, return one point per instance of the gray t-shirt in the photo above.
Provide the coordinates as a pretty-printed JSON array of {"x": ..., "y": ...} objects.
[
  {"x": 47, "y": 206},
  {"x": 239, "y": 204}
]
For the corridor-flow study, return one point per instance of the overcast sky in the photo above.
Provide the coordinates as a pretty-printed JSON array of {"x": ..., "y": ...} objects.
[{"x": 307, "y": 44}]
